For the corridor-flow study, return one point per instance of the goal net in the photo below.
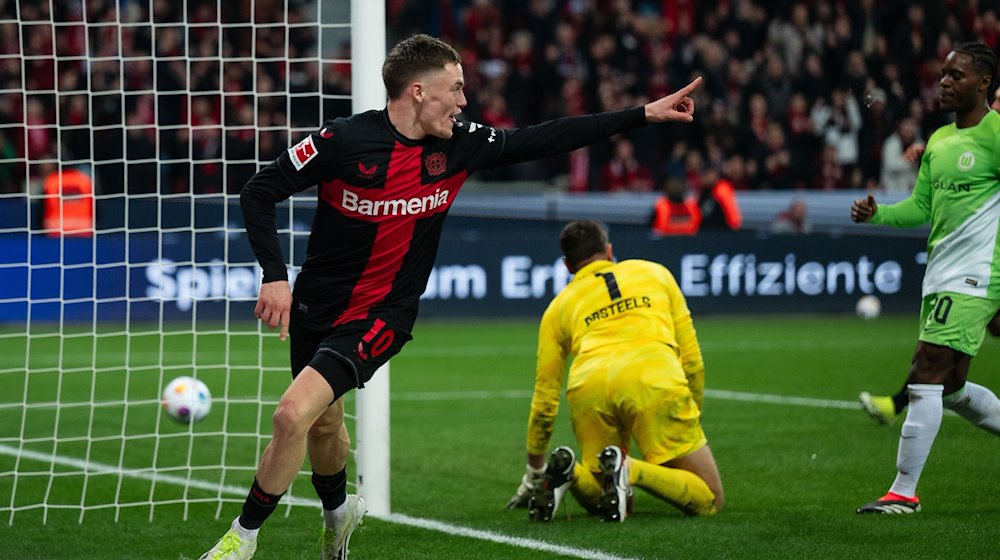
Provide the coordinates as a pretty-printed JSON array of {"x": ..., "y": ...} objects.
[{"x": 127, "y": 130}]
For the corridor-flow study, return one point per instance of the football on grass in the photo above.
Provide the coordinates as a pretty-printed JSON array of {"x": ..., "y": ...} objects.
[
  {"x": 187, "y": 399},
  {"x": 868, "y": 307}
]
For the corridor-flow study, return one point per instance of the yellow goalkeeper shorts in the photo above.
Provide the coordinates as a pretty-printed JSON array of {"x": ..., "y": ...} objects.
[{"x": 622, "y": 392}]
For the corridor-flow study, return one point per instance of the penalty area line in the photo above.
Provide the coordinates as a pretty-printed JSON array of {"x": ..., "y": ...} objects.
[
  {"x": 93, "y": 468},
  {"x": 710, "y": 393},
  {"x": 500, "y": 538}
]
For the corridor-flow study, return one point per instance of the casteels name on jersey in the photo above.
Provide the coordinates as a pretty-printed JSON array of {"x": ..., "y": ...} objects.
[
  {"x": 617, "y": 307},
  {"x": 352, "y": 202}
]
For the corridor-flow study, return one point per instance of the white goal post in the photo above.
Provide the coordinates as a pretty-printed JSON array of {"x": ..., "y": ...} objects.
[
  {"x": 371, "y": 434},
  {"x": 126, "y": 131}
]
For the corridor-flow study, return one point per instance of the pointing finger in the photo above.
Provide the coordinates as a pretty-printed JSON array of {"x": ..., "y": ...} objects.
[
  {"x": 690, "y": 87},
  {"x": 284, "y": 326}
]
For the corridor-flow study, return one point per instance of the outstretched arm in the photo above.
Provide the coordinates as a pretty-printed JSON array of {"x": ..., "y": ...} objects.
[{"x": 566, "y": 134}]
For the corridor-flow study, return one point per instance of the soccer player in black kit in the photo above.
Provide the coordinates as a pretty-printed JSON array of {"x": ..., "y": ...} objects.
[{"x": 386, "y": 181}]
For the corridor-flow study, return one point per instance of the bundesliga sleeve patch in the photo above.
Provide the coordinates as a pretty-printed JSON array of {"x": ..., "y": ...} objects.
[{"x": 302, "y": 153}]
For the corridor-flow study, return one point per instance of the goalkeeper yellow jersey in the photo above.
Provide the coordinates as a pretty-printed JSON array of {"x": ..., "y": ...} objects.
[{"x": 605, "y": 306}]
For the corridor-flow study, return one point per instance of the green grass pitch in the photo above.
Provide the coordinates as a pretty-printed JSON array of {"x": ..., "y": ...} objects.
[{"x": 794, "y": 469}]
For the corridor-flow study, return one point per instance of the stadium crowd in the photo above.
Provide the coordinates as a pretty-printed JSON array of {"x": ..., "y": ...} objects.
[
  {"x": 805, "y": 94},
  {"x": 215, "y": 100},
  {"x": 797, "y": 95}
]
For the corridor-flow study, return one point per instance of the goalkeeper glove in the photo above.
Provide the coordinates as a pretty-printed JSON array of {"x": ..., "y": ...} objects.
[{"x": 532, "y": 479}]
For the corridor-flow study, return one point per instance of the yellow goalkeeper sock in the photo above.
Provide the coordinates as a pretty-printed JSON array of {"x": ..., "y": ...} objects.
[{"x": 679, "y": 487}]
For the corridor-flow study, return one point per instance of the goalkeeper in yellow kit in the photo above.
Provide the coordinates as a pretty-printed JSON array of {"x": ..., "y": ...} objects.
[{"x": 637, "y": 373}]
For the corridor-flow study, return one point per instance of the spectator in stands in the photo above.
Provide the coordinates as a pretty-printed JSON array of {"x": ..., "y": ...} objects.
[
  {"x": 775, "y": 86},
  {"x": 719, "y": 128},
  {"x": 777, "y": 162},
  {"x": 793, "y": 219},
  {"x": 140, "y": 156},
  {"x": 495, "y": 111},
  {"x": 739, "y": 170},
  {"x": 624, "y": 172},
  {"x": 877, "y": 125},
  {"x": 673, "y": 166},
  {"x": 898, "y": 174},
  {"x": 10, "y": 172},
  {"x": 800, "y": 127},
  {"x": 761, "y": 61},
  {"x": 813, "y": 81},
  {"x": 758, "y": 119},
  {"x": 125, "y": 87},
  {"x": 694, "y": 170},
  {"x": 839, "y": 123},
  {"x": 676, "y": 212},
  {"x": 828, "y": 174},
  {"x": 720, "y": 210}
]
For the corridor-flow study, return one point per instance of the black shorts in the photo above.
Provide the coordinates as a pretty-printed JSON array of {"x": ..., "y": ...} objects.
[{"x": 364, "y": 346}]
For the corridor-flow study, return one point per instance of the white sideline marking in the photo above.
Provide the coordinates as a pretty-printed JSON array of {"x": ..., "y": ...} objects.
[
  {"x": 500, "y": 538},
  {"x": 184, "y": 357},
  {"x": 460, "y": 395},
  {"x": 780, "y": 399},
  {"x": 712, "y": 393},
  {"x": 93, "y": 468},
  {"x": 742, "y": 346}
]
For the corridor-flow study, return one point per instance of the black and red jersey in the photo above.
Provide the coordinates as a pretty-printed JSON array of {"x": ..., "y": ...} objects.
[{"x": 382, "y": 200}]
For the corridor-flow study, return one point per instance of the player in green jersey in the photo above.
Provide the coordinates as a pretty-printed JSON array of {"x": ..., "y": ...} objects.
[
  {"x": 885, "y": 409},
  {"x": 958, "y": 192}
]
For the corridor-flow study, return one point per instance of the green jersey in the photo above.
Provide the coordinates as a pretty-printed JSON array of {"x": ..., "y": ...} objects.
[{"x": 958, "y": 192}]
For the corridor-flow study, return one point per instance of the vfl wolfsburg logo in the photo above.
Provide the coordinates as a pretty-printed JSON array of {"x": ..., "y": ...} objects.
[{"x": 966, "y": 161}]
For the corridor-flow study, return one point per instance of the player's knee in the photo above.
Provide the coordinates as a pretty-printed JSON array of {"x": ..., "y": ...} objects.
[
  {"x": 289, "y": 419},
  {"x": 932, "y": 364},
  {"x": 326, "y": 427}
]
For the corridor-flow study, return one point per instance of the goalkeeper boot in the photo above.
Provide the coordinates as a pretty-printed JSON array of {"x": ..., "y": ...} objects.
[
  {"x": 892, "y": 504},
  {"x": 232, "y": 546},
  {"x": 615, "y": 503},
  {"x": 558, "y": 477},
  {"x": 346, "y": 519},
  {"x": 881, "y": 409}
]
